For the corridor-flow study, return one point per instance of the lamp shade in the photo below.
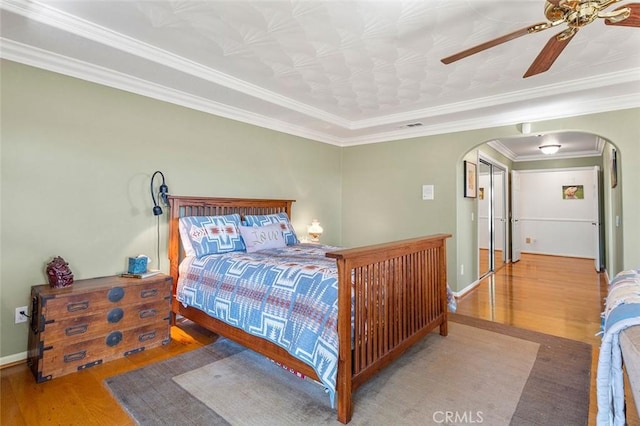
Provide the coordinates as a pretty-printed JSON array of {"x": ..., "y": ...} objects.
[
  {"x": 549, "y": 149},
  {"x": 315, "y": 230}
]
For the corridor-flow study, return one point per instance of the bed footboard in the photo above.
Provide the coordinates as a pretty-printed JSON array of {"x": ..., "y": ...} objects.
[
  {"x": 399, "y": 291},
  {"x": 400, "y": 295}
]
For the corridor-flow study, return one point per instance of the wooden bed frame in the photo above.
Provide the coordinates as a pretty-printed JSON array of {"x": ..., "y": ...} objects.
[{"x": 399, "y": 290}]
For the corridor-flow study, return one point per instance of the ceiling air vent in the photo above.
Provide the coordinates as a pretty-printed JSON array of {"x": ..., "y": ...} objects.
[{"x": 418, "y": 124}]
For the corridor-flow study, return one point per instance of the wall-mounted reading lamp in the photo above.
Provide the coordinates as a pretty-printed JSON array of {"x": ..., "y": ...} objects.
[{"x": 163, "y": 194}]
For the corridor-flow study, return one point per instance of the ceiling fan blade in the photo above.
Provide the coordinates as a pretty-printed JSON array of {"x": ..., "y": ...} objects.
[
  {"x": 549, "y": 53},
  {"x": 632, "y": 21},
  {"x": 495, "y": 42}
]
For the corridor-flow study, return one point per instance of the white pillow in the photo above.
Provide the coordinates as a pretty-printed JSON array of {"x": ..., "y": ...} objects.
[
  {"x": 266, "y": 219},
  {"x": 262, "y": 237}
]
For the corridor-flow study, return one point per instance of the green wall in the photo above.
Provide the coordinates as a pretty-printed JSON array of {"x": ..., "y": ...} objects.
[
  {"x": 560, "y": 163},
  {"x": 381, "y": 196},
  {"x": 76, "y": 161}
]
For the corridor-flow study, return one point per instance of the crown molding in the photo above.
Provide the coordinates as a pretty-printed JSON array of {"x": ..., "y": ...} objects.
[
  {"x": 607, "y": 80},
  {"x": 502, "y": 149},
  {"x": 55, "y": 18},
  {"x": 600, "y": 144},
  {"x": 556, "y": 156},
  {"x": 49, "y": 61},
  {"x": 494, "y": 111}
]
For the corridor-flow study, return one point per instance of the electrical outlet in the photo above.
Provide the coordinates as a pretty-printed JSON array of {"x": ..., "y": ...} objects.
[
  {"x": 461, "y": 269},
  {"x": 20, "y": 317},
  {"x": 527, "y": 240}
]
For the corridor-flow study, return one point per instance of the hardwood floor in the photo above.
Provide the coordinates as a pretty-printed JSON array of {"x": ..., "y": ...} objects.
[
  {"x": 81, "y": 398},
  {"x": 553, "y": 295}
]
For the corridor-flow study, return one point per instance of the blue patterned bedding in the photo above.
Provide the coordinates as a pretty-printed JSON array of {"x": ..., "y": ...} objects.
[
  {"x": 287, "y": 295},
  {"x": 622, "y": 311}
]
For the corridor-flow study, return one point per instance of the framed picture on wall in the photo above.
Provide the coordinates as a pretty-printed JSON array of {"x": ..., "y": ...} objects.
[
  {"x": 470, "y": 180},
  {"x": 614, "y": 168},
  {"x": 573, "y": 192}
]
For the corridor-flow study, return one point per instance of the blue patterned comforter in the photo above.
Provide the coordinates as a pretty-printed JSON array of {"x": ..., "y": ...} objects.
[
  {"x": 287, "y": 295},
  {"x": 622, "y": 310}
]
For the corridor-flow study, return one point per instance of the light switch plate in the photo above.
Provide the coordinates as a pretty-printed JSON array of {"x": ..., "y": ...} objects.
[{"x": 427, "y": 192}]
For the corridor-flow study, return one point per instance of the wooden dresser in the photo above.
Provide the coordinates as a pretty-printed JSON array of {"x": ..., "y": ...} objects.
[{"x": 94, "y": 321}]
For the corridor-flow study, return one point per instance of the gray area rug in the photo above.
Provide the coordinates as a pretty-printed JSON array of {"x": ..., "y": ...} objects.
[{"x": 483, "y": 372}]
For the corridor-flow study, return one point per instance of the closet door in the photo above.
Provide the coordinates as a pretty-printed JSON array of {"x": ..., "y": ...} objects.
[
  {"x": 485, "y": 219},
  {"x": 499, "y": 183}
]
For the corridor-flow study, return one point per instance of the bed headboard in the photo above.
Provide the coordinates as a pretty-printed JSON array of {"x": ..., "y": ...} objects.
[{"x": 211, "y": 206}]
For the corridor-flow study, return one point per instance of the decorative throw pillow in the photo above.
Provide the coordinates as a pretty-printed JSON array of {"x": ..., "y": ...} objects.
[
  {"x": 262, "y": 237},
  {"x": 265, "y": 219},
  {"x": 202, "y": 235}
]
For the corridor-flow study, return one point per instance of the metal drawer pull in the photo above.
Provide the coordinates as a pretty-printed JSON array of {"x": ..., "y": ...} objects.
[
  {"x": 79, "y": 306},
  {"x": 114, "y": 338},
  {"x": 146, "y": 336},
  {"x": 148, "y": 313},
  {"x": 115, "y": 294},
  {"x": 76, "y": 329},
  {"x": 76, "y": 356},
  {"x": 149, "y": 293},
  {"x": 115, "y": 315}
]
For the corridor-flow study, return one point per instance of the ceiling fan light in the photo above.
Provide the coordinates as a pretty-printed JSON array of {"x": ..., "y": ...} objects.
[{"x": 549, "y": 149}]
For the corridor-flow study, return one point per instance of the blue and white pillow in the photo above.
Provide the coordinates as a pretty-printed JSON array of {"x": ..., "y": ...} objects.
[
  {"x": 266, "y": 219},
  {"x": 203, "y": 235}
]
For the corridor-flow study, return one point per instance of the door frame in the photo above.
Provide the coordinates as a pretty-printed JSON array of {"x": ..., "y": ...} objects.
[{"x": 595, "y": 220}]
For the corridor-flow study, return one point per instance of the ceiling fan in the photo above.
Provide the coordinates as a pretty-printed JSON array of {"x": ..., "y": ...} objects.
[{"x": 576, "y": 14}]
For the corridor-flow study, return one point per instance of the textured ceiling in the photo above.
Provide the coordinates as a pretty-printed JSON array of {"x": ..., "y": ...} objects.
[{"x": 341, "y": 72}]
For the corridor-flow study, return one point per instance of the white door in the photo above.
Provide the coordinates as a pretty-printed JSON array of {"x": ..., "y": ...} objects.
[
  {"x": 516, "y": 239},
  {"x": 596, "y": 218}
]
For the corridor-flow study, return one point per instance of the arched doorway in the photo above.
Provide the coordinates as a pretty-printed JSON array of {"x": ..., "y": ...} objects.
[{"x": 601, "y": 155}]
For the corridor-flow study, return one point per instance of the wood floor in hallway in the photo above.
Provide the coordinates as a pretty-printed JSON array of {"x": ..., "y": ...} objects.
[
  {"x": 560, "y": 296},
  {"x": 554, "y": 295}
]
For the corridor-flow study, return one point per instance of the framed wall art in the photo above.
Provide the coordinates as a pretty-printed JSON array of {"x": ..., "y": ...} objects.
[
  {"x": 573, "y": 192},
  {"x": 470, "y": 180},
  {"x": 614, "y": 168}
]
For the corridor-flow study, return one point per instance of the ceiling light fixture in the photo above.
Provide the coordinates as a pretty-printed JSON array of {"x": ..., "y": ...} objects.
[{"x": 549, "y": 149}]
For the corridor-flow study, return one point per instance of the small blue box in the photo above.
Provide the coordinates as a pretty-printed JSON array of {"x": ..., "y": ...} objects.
[{"x": 137, "y": 265}]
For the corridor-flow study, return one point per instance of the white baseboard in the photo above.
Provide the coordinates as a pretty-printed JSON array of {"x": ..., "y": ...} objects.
[
  {"x": 466, "y": 290},
  {"x": 556, "y": 254},
  {"x": 11, "y": 359}
]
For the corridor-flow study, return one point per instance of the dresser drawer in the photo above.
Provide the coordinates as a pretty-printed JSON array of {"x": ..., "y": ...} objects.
[
  {"x": 60, "y": 358},
  {"x": 77, "y": 304},
  {"x": 117, "y": 317}
]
